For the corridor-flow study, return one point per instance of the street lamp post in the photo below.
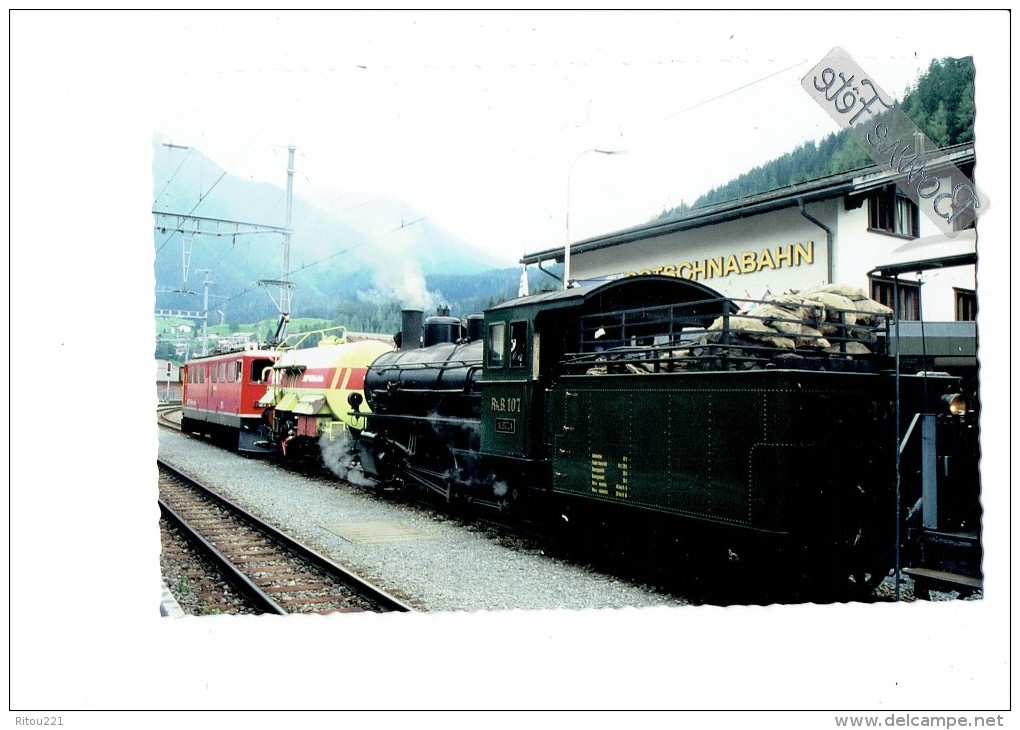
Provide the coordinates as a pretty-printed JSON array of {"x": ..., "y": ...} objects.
[{"x": 566, "y": 246}]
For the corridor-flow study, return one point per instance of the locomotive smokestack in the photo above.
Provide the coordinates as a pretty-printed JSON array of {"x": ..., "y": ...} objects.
[{"x": 410, "y": 328}]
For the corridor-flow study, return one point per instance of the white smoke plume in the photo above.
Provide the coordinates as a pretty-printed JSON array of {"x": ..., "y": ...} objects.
[
  {"x": 397, "y": 272},
  {"x": 401, "y": 279},
  {"x": 336, "y": 455}
]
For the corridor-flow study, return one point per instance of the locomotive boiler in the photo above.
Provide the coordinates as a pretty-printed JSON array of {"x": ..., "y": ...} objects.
[{"x": 425, "y": 407}]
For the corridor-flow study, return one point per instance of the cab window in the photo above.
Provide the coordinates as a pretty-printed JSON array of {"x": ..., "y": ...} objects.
[
  {"x": 497, "y": 336},
  {"x": 258, "y": 367},
  {"x": 518, "y": 344}
]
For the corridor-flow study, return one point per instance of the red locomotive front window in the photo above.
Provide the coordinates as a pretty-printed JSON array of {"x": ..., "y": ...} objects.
[{"x": 258, "y": 368}]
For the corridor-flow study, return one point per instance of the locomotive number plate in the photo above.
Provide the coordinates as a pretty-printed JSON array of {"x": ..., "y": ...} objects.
[{"x": 505, "y": 425}]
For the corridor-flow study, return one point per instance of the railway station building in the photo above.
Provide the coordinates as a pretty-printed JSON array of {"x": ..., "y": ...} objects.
[{"x": 855, "y": 228}]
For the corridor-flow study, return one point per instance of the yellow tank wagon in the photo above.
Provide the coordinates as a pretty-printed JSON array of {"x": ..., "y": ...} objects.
[{"x": 306, "y": 401}]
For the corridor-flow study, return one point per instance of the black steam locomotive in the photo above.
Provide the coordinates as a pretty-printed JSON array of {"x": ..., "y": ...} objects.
[{"x": 783, "y": 425}]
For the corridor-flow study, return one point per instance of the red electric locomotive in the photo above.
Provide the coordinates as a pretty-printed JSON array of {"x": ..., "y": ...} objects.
[{"x": 221, "y": 394}]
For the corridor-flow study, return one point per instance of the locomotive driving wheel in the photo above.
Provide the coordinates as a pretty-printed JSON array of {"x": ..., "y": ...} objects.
[
  {"x": 867, "y": 554},
  {"x": 508, "y": 500},
  {"x": 867, "y": 568},
  {"x": 853, "y": 557}
]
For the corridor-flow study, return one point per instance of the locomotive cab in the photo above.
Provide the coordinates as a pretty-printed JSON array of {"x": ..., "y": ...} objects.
[
  {"x": 511, "y": 397},
  {"x": 528, "y": 345},
  {"x": 220, "y": 395}
]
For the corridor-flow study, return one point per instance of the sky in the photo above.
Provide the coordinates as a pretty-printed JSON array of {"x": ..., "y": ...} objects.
[
  {"x": 478, "y": 121},
  {"x": 484, "y": 121}
]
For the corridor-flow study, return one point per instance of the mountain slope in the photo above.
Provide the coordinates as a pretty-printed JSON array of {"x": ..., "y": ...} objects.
[{"x": 332, "y": 259}]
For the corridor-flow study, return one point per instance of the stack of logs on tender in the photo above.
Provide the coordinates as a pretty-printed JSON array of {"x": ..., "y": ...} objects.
[
  {"x": 832, "y": 318},
  {"x": 827, "y": 320}
]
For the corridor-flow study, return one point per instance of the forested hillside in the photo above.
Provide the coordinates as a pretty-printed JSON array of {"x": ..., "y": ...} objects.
[
  {"x": 941, "y": 104},
  {"x": 464, "y": 294}
]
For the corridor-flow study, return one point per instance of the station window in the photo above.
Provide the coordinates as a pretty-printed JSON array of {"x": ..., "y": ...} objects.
[
  {"x": 518, "y": 344},
  {"x": 891, "y": 212},
  {"x": 885, "y": 292},
  {"x": 959, "y": 225},
  {"x": 964, "y": 222},
  {"x": 966, "y": 304},
  {"x": 497, "y": 336}
]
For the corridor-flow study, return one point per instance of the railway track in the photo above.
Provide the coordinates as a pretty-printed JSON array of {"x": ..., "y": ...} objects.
[
  {"x": 272, "y": 571},
  {"x": 705, "y": 577},
  {"x": 169, "y": 417}
]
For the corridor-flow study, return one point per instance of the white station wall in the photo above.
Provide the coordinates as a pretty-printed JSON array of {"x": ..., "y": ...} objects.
[
  {"x": 782, "y": 250},
  {"x": 770, "y": 252}
]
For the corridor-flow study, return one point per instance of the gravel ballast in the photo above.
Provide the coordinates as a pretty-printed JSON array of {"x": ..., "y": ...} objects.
[{"x": 425, "y": 558}]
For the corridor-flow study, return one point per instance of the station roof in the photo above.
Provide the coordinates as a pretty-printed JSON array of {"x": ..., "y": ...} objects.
[{"x": 854, "y": 182}]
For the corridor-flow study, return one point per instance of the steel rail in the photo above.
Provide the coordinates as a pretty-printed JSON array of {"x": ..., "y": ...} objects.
[
  {"x": 258, "y": 598},
  {"x": 163, "y": 417},
  {"x": 385, "y": 601}
]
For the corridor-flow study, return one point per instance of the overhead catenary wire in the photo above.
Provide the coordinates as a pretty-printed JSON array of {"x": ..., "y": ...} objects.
[
  {"x": 202, "y": 196},
  {"x": 728, "y": 93},
  {"x": 402, "y": 226},
  {"x": 171, "y": 178},
  {"x": 367, "y": 241},
  {"x": 201, "y": 199}
]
